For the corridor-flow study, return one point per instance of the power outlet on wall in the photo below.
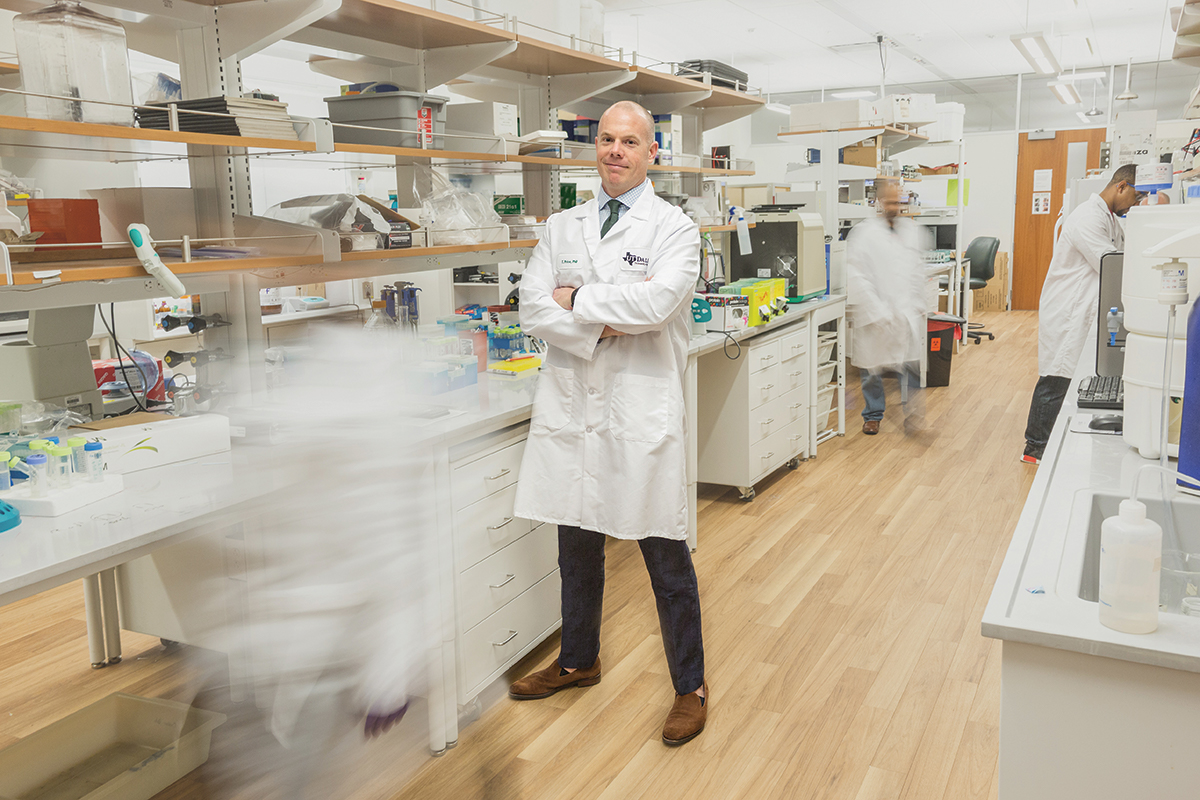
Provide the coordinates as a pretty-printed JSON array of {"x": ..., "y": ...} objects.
[{"x": 368, "y": 290}]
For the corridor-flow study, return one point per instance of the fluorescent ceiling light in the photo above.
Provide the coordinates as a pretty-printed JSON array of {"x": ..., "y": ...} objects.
[
  {"x": 778, "y": 108},
  {"x": 1072, "y": 77},
  {"x": 1066, "y": 93},
  {"x": 861, "y": 94},
  {"x": 1033, "y": 46}
]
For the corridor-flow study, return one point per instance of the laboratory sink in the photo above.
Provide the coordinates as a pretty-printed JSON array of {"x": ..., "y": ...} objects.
[{"x": 1181, "y": 545}]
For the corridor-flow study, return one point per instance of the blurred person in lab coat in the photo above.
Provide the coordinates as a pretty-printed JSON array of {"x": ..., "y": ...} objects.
[
  {"x": 885, "y": 301},
  {"x": 338, "y": 616},
  {"x": 1067, "y": 310},
  {"x": 608, "y": 288}
]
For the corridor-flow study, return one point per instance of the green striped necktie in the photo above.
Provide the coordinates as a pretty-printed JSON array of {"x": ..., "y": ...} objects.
[{"x": 614, "y": 213}]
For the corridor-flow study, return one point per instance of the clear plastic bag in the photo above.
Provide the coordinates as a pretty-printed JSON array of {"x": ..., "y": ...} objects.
[
  {"x": 452, "y": 214},
  {"x": 343, "y": 213}
]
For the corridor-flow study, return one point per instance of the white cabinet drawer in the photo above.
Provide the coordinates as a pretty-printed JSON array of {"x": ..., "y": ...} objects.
[
  {"x": 794, "y": 345},
  {"x": 765, "y": 386},
  {"x": 776, "y": 415},
  {"x": 769, "y": 454},
  {"x": 475, "y": 480},
  {"x": 763, "y": 356},
  {"x": 496, "y": 643},
  {"x": 485, "y": 527},
  {"x": 794, "y": 374},
  {"x": 489, "y": 585}
]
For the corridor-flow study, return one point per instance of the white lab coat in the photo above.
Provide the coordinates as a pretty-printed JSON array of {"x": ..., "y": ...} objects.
[
  {"x": 885, "y": 293},
  {"x": 606, "y": 443},
  {"x": 1072, "y": 288}
]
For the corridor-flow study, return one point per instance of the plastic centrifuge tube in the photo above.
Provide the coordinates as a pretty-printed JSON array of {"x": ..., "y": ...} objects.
[
  {"x": 60, "y": 468},
  {"x": 78, "y": 459},
  {"x": 5, "y": 474},
  {"x": 38, "y": 477},
  {"x": 95, "y": 461}
]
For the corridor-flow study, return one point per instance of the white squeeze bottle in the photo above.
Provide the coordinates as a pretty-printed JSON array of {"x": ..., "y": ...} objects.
[{"x": 1130, "y": 567}]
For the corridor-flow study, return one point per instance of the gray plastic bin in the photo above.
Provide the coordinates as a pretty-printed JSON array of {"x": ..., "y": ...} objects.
[{"x": 397, "y": 110}]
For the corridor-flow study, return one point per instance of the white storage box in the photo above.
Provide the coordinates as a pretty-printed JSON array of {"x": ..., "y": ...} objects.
[
  {"x": 169, "y": 213},
  {"x": 949, "y": 125},
  {"x": 491, "y": 233},
  {"x": 154, "y": 440},
  {"x": 911, "y": 110},
  {"x": 482, "y": 119},
  {"x": 119, "y": 748},
  {"x": 835, "y": 114},
  {"x": 61, "y": 501}
]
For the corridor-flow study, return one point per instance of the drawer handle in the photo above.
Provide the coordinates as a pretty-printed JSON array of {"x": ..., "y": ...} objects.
[
  {"x": 768, "y": 455},
  {"x": 501, "y": 525},
  {"x": 768, "y": 387},
  {"x": 497, "y": 476},
  {"x": 511, "y": 635},
  {"x": 798, "y": 405},
  {"x": 797, "y": 346},
  {"x": 767, "y": 357},
  {"x": 510, "y": 578},
  {"x": 797, "y": 374},
  {"x": 767, "y": 421}
]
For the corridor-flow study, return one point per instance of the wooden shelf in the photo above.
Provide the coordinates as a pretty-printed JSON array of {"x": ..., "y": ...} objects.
[
  {"x": 440, "y": 250},
  {"x": 417, "y": 152},
  {"x": 723, "y": 97},
  {"x": 117, "y": 268},
  {"x": 389, "y": 22},
  {"x": 94, "y": 131},
  {"x": 724, "y": 228},
  {"x": 535, "y": 57},
  {"x": 8, "y": 68},
  {"x": 885, "y": 129}
]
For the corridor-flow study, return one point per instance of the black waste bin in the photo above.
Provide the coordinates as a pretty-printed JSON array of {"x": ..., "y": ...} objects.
[{"x": 943, "y": 330}]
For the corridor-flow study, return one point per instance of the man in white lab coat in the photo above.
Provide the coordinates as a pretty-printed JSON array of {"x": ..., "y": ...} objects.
[
  {"x": 608, "y": 289},
  {"x": 885, "y": 301},
  {"x": 1069, "y": 297}
]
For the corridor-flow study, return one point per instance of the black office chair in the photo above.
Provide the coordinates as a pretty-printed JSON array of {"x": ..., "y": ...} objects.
[{"x": 981, "y": 252}]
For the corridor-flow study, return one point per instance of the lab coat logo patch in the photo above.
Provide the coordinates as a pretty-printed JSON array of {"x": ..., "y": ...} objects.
[{"x": 635, "y": 260}]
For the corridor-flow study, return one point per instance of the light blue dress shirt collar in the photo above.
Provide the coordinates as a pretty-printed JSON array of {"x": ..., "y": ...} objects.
[{"x": 627, "y": 200}]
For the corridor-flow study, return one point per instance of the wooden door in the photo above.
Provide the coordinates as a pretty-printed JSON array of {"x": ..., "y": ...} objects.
[{"x": 1033, "y": 234}]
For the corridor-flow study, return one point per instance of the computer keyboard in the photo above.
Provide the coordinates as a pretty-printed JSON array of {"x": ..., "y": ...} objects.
[{"x": 1102, "y": 391}]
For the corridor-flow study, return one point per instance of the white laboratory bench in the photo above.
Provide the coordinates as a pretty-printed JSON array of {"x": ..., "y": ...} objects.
[
  {"x": 1087, "y": 711},
  {"x": 497, "y": 576}
]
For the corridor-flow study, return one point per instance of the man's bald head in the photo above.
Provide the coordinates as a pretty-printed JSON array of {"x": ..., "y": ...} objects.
[
  {"x": 634, "y": 109},
  {"x": 887, "y": 198},
  {"x": 625, "y": 147}
]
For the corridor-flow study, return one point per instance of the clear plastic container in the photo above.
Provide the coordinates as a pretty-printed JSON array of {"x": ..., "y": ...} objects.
[
  {"x": 5, "y": 475},
  {"x": 93, "y": 453},
  {"x": 78, "y": 458},
  {"x": 69, "y": 51},
  {"x": 60, "y": 468},
  {"x": 379, "y": 323},
  {"x": 38, "y": 474}
]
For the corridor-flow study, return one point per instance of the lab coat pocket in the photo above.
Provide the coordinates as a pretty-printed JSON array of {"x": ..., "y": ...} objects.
[
  {"x": 625, "y": 276},
  {"x": 554, "y": 397},
  {"x": 640, "y": 408}
]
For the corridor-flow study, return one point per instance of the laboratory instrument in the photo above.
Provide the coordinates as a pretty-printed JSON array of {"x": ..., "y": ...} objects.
[
  {"x": 786, "y": 243},
  {"x": 1189, "y": 427},
  {"x": 39, "y": 474},
  {"x": 69, "y": 51},
  {"x": 197, "y": 358},
  {"x": 139, "y": 237},
  {"x": 94, "y": 458},
  {"x": 53, "y": 364}
]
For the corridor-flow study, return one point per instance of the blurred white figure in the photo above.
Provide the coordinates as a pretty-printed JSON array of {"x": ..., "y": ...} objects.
[
  {"x": 885, "y": 301},
  {"x": 341, "y": 588}
]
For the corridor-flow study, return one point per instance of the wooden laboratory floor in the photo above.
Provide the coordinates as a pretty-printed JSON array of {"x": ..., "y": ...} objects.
[{"x": 841, "y": 608}]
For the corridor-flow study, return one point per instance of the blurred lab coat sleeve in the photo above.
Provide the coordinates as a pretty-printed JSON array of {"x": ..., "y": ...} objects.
[
  {"x": 544, "y": 318},
  {"x": 652, "y": 302},
  {"x": 863, "y": 303}
]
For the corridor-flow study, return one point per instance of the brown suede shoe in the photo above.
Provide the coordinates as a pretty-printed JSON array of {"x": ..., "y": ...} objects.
[
  {"x": 871, "y": 427},
  {"x": 687, "y": 718},
  {"x": 546, "y": 682}
]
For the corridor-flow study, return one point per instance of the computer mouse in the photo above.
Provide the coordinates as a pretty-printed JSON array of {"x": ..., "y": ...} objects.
[{"x": 1109, "y": 422}]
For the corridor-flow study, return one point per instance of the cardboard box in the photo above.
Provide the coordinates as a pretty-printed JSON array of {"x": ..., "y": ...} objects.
[
  {"x": 948, "y": 169},
  {"x": 994, "y": 296},
  {"x": 486, "y": 119},
  {"x": 835, "y": 114},
  {"x": 63, "y": 220},
  {"x": 414, "y": 237},
  {"x": 865, "y": 154}
]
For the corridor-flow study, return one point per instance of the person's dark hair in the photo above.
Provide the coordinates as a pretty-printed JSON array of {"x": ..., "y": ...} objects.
[{"x": 1127, "y": 173}]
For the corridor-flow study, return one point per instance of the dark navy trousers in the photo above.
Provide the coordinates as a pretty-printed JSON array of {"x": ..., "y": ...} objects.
[{"x": 669, "y": 562}]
